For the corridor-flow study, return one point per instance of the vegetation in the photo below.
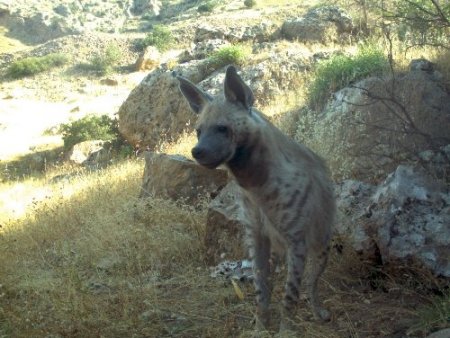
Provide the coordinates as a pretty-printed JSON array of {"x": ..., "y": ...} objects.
[
  {"x": 341, "y": 70},
  {"x": 90, "y": 127},
  {"x": 104, "y": 63},
  {"x": 234, "y": 54},
  {"x": 422, "y": 22},
  {"x": 208, "y": 6},
  {"x": 250, "y": 3},
  {"x": 34, "y": 65},
  {"x": 160, "y": 37}
]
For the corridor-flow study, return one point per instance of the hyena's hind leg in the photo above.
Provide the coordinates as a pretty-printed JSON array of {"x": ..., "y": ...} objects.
[
  {"x": 295, "y": 257},
  {"x": 318, "y": 259},
  {"x": 260, "y": 255}
]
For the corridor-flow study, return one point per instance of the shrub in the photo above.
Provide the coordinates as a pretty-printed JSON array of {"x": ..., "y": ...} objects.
[
  {"x": 207, "y": 7},
  {"x": 160, "y": 37},
  {"x": 250, "y": 3},
  {"x": 234, "y": 54},
  {"x": 90, "y": 127},
  {"x": 34, "y": 65},
  {"x": 341, "y": 70},
  {"x": 105, "y": 63}
]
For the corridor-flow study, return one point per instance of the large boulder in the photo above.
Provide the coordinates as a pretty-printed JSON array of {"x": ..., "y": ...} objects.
[
  {"x": 180, "y": 179},
  {"x": 321, "y": 24},
  {"x": 371, "y": 127},
  {"x": 405, "y": 219},
  {"x": 155, "y": 111},
  {"x": 225, "y": 224}
]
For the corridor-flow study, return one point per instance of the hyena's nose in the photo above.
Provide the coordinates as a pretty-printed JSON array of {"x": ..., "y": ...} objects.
[{"x": 198, "y": 153}]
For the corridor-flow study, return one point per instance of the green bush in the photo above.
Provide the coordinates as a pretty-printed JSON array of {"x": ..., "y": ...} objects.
[
  {"x": 341, "y": 70},
  {"x": 90, "y": 127},
  {"x": 250, "y": 3},
  {"x": 105, "y": 63},
  {"x": 207, "y": 7},
  {"x": 34, "y": 65},
  {"x": 160, "y": 37},
  {"x": 234, "y": 54}
]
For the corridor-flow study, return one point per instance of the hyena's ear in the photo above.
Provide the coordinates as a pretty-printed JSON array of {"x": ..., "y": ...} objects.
[
  {"x": 236, "y": 90},
  {"x": 196, "y": 97}
]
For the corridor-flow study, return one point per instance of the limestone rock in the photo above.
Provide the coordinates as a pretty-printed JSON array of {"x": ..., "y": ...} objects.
[
  {"x": 155, "y": 110},
  {"x": 445, "y": 333},
  {"x": 323, "y": 24},
  {"x": 391, "y": 121},
  {"x": 178, "y": 178},
  {"x": 225, "y": 223},
  {"x": 406, "y": 218},
  {"x": 92, "y": 154}
]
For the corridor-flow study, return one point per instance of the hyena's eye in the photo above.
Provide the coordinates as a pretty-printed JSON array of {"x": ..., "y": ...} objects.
[{"x": 222, "y": 129}]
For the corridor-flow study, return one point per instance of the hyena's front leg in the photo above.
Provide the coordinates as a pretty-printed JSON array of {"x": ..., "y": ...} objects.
[
  {"x": 260, "y": 255},
  {"x": 295, "y": 263}
]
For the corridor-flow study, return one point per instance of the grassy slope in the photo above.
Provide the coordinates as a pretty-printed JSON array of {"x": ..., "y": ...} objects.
[{"x": 92, "y": 260}]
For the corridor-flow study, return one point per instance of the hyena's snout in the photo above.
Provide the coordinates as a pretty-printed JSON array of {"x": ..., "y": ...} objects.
[
  {"x": 206, "y": 156},
  {"x": 199, "y": 153},
  {"x": 211, "y": 151}
]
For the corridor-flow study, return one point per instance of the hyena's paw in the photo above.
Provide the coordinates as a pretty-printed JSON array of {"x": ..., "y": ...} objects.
[
  {"x": 286, "y": 325},
  {"x": 262, "y": 321},
  {"x": 322, "y": 314}
]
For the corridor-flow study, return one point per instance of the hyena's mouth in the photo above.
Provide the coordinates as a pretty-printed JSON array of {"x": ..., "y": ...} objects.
[{"x": 208, "y": 164}]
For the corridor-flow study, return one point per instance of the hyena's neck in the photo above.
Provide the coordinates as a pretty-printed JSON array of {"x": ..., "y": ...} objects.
[{"x": 250, "y": 164}]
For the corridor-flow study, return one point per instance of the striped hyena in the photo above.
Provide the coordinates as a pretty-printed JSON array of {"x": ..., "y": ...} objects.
[{"x": 286, "y": 187}]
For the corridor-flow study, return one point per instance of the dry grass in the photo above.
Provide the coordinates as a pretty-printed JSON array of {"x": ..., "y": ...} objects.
[{"x": 92, "y": 260}]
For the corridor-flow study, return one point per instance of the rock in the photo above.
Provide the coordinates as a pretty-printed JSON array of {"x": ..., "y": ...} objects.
[
  {"x": 445, "y": 333},
  {"x": 225, "y": 223},
  {"x": 178, "y": 178},
  {"x": 391, "y": 121},
  {"x": 204, "y": 48},
  {"x": 155, "y": 110},
  {"x": 322, "y": 24},
  {"x": 62, "y": 10},
  {"x": 265, "y": 31},
  {"x": 5, "y": 7},
  {"x": 406, "y": 218},
  {"x": 143, "y": 6},
  {"x": 149, "y": 59},
  {"x": 92, "y": 154},
  {"x": 421, "y": 65}
]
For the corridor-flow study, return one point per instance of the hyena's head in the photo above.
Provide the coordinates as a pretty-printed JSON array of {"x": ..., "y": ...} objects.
[{"x": 224, "y": 123}]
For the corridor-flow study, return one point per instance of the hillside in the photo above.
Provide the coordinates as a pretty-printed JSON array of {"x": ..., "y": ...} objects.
[{"x": 84, "y": 254}]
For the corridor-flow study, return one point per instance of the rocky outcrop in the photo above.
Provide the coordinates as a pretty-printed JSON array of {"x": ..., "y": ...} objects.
[
  {"x": 321, "y": 24},
  {"x": 225, "y": 224},
  {"x": 260, "y": 32},
  {"x": 377, "y": 123},
  {"x": 91, "y": 154},
  {"x": 180, "y": 179},
  {"x": 405, "y": 219}
]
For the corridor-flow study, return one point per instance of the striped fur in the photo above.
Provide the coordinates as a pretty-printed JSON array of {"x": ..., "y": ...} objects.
[{"x": 287, "y": 189}]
